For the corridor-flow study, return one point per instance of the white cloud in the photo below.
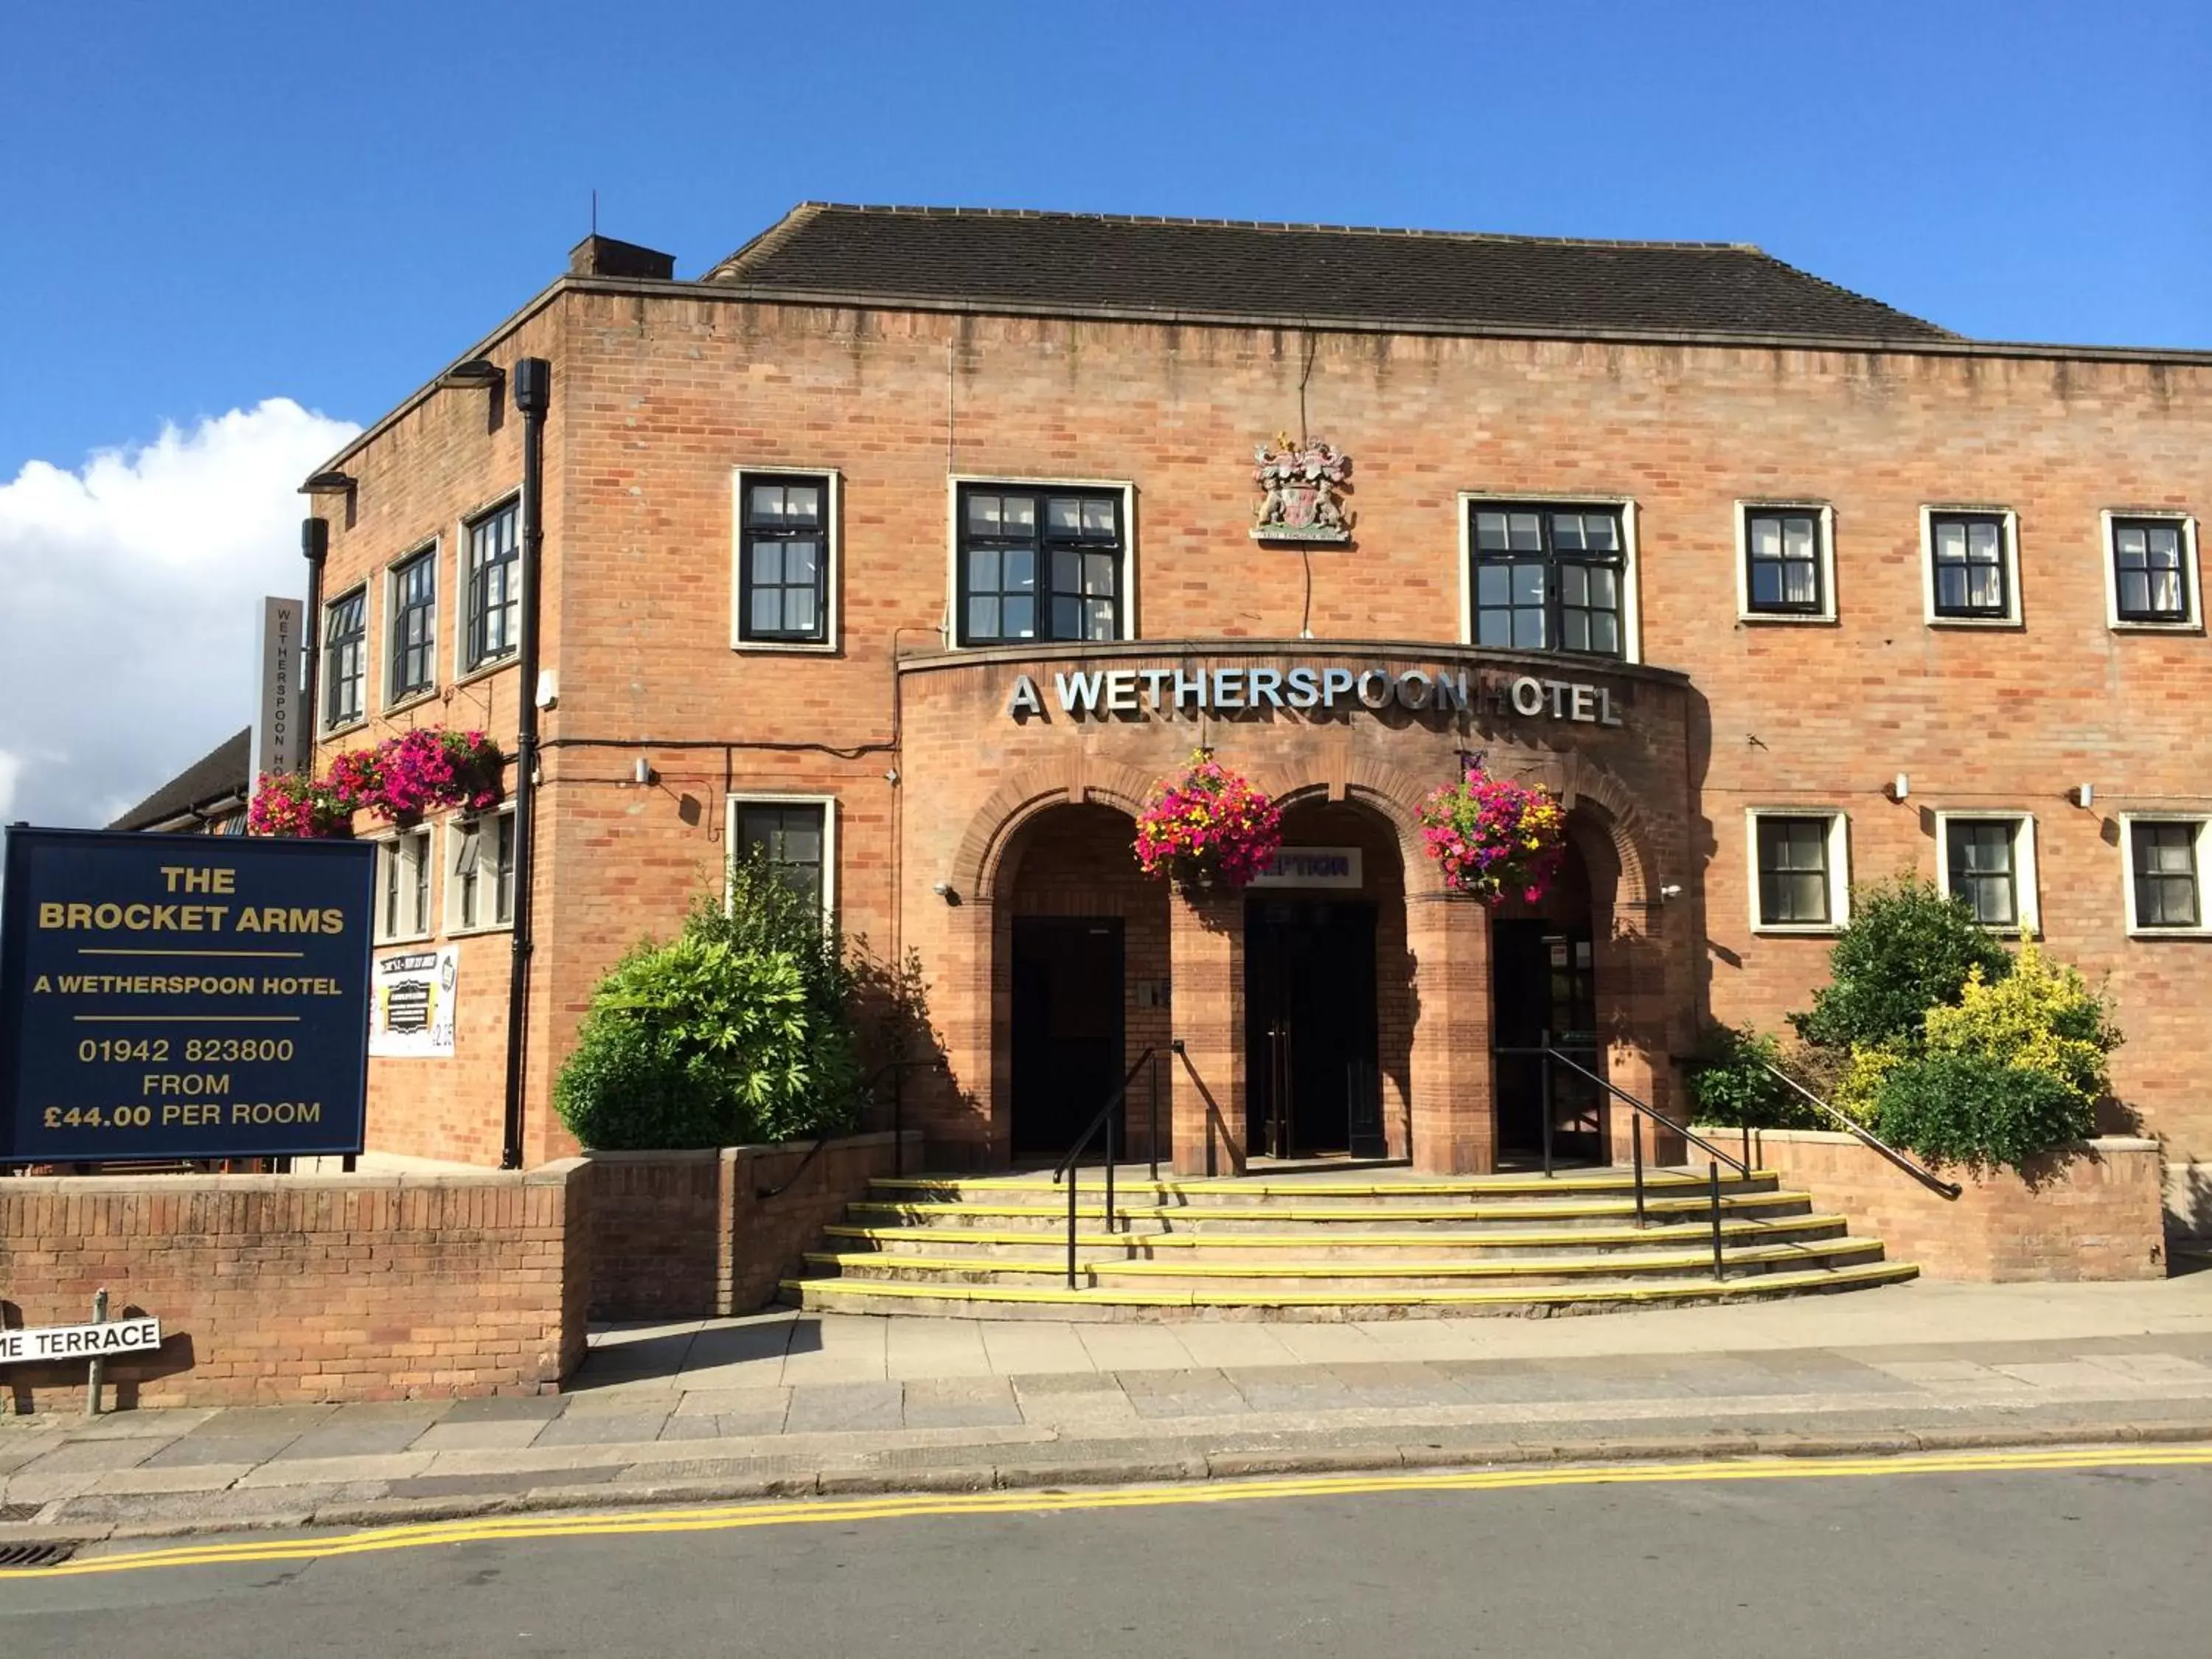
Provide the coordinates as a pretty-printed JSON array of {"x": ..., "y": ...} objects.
[{"x": 130, "y": 596}]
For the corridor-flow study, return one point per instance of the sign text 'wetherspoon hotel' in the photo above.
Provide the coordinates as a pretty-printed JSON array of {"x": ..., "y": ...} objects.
[{"x": 1169, "y": 691}]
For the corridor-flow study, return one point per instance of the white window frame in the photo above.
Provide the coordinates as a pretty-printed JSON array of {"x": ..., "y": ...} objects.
[
  {"x": 387, "y": 850},
  {"x": 1631, "y": 608},
  {"x": 2026, "y": 904},
  {"x": 953, "y": 483},
  {"x": 828, "y": 803},
  {"x": 467, "y": 522},
  {"x": 331, "y": 727},
  {"x": 456, "y": 827},
  {"x": 1748, "y": 506},
  {"x": 833, "y": 561},
  {"x": 393, "y": 698},
  {"x": 2190, "y": 583},
  {"x": 1839, "y": 873},
  {"x": 2014, "y": 609},
  {"x": 2202, "y": 847}
]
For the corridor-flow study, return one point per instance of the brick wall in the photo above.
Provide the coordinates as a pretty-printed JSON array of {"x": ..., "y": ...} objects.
[
  {"x": 289, "y": 1289},
  {"x": 687, "y": 1234},
  {"x": 2092, "y": 1212}
]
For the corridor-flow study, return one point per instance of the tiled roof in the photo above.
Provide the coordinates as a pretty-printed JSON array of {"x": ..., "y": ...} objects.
[
  {"x": 219, "y": 775},
  {"x": 1089, "y": 262}
]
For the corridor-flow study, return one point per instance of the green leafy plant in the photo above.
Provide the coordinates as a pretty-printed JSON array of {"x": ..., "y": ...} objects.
[
  {"x": 1908, "y": 948},
  {"x": 2042, "y": 1017},
  {"x": 1974, "y": 1109},
  {"x": 1729, "y": 1081}
]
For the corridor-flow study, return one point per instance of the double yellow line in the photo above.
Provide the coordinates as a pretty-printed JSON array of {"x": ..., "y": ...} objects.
[{"x": 825, "y": 1512}]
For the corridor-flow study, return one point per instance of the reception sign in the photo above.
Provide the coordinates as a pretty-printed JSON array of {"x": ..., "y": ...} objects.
[{"x": 182, "y": 996}]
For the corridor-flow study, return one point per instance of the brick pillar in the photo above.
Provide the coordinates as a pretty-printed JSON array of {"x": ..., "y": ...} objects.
[
  {"x": 1205, "y": 953},
  {"x": 1454, "y": 1091},
  {"x": 1634, "y": 1003}
]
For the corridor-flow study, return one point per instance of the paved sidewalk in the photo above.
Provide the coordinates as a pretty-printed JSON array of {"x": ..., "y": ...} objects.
[{"x": 786, "y": 1402}]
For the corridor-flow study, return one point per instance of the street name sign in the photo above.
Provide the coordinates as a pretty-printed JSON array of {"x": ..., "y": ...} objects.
[
  {"x": 182, "y": 996},
  {"x": 141, "y": 1335}
]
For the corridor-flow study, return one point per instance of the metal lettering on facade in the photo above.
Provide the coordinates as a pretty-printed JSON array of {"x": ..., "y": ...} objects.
[
  {"x": 1309, "y": 686},
  {"x": 182, "y": 996}
]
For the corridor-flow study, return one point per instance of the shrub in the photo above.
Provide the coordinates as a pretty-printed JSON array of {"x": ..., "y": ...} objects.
[
  {"x": 1729, "y": 1081},
  {"x": 1971, "y": 1108},
  {"x": 1908, "y": 948},
  {"x": 631, "y": 1088},
  {"x": 1858, "y": 1084},
  {"x": 2041, "y": 1017}
]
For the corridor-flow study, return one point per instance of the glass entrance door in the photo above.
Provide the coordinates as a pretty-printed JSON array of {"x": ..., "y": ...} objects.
[
  {"x": 1311, "y": 1086},
  {"x": 1545, "y": 995}
]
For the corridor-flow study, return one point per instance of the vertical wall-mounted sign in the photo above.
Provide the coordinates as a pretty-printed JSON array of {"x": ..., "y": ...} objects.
[
  {"x": 182, "y": 996},
  {"x": 279, "y": 744}
]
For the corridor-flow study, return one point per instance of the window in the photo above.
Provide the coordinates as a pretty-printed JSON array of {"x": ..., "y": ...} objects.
[
  {"x": 796, "y": 834},
  {"x": 415, "y": 625},
  {"x": 403, "y": 886},
  {"x": 345, "y": 657},
  {"x": 1972, "y": 570},
  {"x": 2165, "y": 873},
  {"x": 495, "y": 600},
  {"x": 785, "y": 529},
  {"x": 480, "y": 873},
  {"x": 2151, "y": 569},
  {"x": 1988, "y": 861},
  {"x": 1548, "y": 577},
  {"x": 1787, "y": 570},
  {"x": 1799, "y": 878},
  {"x": 1040, "y": 564}
]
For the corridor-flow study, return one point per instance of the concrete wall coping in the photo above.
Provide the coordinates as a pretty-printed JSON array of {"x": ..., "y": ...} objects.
[
  {"x": 560, "y": 1173},
  {"x": 751, "y": 1148}
]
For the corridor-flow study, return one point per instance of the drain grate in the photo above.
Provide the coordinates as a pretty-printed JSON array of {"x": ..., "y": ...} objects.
[
  {"x": 34, "y": 1555},
  {"x": 18, "y": 1512}
]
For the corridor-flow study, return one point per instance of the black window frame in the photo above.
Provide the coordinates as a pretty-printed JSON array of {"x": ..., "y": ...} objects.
[
  {"x": 753, "y": 534},
  {"x": 1818, "y": 605},
  {"x": 2183, "y": 615},
  {"x": 1962, "y": 882},
  {"x": 1763, "y": 867},
  {"x": 2188, "y": 833},
  {"x": 1559, "y": 576},
  {"x": 822, "y": 886},
  {"x": 2006, "y": 607},
  {"x": 1046, "y": 593},
  {"x": 404, "y": 653},
  {"x": 504, "y": 571},
  {"x": 345, "y": 660}
]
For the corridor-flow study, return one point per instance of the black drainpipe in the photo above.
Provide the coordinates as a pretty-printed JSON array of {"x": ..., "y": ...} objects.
[
  {"x": 314, "y": 543},
  {"x": 533, "y": 394}
]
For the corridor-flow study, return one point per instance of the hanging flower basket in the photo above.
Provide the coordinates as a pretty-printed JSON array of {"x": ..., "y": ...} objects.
[
  {"x": 422, "y": 771},
  {"x": 1208, "y": 826},
  {"x": 1495, "y": 837},
  {"x": 293, "y": 803}
]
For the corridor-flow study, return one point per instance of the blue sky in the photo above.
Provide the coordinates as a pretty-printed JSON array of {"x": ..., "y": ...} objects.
[{"x": 209, "y": 206}]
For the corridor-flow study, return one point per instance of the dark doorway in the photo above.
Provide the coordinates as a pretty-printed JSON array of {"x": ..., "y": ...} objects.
[
  {"x": 1544, "y": 993},
  {"x": 1067, "y": 1027},
  {"x": 1311, "y": 1082}
]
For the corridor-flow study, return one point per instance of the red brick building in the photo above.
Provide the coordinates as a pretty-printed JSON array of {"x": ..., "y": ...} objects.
[{"x": 920, "y": 545}]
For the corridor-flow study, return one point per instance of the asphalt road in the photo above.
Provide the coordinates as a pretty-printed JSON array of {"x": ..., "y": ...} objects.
[{"x": 2072, "y": 1565}]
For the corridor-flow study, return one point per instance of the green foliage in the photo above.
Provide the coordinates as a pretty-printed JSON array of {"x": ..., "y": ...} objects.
[
  {"x": 738, "y": 1029},
  {"x": 2041, "y": 1017},
  {"x": 1908, "y": 948},
  {"x": 1729, "y": 1081},
  {"x": 1975, "y": 1109},
  {"x": 1858, "y": 1084}
]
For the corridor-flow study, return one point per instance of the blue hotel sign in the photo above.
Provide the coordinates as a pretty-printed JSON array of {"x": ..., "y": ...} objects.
[{"x": 182, "y": 996}]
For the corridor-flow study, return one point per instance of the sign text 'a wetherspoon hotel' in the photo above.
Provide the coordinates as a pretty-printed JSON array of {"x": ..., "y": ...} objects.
[{"x": 1170, "y": 691}]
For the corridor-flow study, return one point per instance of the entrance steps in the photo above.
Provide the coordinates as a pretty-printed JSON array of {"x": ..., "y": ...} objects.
[{"x": 1328, "y": 1246}]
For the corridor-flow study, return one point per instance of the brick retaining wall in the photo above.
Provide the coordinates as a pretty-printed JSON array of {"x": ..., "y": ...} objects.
[
  {"x": 687, "y": 1234},
  {"x": 2094, "y": 1211},
  {"x": 289, "y": 1289}
]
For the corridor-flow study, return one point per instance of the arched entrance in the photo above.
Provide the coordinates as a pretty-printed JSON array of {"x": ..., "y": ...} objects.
[
  {"x": 1082, "y": 941},
  {"x": 1327, "y": 1020}
]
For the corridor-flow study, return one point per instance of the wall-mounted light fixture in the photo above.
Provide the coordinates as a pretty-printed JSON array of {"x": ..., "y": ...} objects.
[
  {"x": 944, "y": 891},
  {"x": 473, "y": 372},
  {"x": 329, "y": 484},
  {"x": 1672, "y": 890},
  {"x": 641, "y": 772},
  {"x": 1900, "y": 787},
  {"x": 2083, "y": 794}
]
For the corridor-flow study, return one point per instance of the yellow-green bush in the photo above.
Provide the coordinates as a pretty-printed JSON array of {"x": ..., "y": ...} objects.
[
  {"x": 1858, "y": 1085},
  {"x": 2042, "y": 1017}
]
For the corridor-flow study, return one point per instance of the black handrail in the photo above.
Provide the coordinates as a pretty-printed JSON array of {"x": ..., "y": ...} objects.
[
  {"x": 1926, "y": 1178},
  {"x": 1104, "y": 1117},
  {"x": 1741, "y": 1165}
]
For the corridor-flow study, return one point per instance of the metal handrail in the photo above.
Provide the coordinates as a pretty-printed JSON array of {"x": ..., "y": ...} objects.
[
  {"x": 1926, "y": 1178},
  {"x": 1104, "y": 1117},
  {"x": 1741, "y": 1165}
]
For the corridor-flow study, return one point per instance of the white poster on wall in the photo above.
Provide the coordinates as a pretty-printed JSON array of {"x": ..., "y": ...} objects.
[{"x": 411, "y": 1014}]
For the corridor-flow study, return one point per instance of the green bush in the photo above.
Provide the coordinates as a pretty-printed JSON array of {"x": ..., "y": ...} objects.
[
  {"x": 1729, "y": 1081},
  {"x": 2041, "y": 1017},
  {"x": 1908, "y": 948},
  {"x": 1977, "y": 1111},
  {"x": 738, "y": 1029}
]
